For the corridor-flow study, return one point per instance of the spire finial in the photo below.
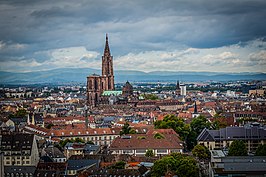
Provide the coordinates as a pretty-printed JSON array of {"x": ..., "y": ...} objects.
[{"x": 106, "y": 49}]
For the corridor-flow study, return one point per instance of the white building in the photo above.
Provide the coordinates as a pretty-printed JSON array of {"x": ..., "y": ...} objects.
[{"x": 183, "y": 89}]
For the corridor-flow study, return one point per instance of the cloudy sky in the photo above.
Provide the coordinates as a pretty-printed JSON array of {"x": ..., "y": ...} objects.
[{"x": 145, "y": 35}]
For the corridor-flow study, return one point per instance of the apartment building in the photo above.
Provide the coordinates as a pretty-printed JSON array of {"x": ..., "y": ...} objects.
[
  {"x": 252, "y": 134},
  {"x": 20, "y": 154}
]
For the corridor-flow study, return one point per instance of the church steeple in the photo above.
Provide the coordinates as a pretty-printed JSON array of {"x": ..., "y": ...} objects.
[
  {"x": 106, "y": 49},
  {"x": 195, "y": 108}
]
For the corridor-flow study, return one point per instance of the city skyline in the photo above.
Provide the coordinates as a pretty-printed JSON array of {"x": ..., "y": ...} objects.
[{"x": 146, "y": 36}]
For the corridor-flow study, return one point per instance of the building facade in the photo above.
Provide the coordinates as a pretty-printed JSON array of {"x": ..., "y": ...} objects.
[
  {"x": 139, "y": 144},
  {"x": 20, "y": 153},
  {"x": 97, "y": 84},
  {"x": 252, "y": 135}
]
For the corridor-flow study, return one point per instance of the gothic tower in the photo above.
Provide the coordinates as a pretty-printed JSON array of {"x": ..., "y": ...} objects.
[
  {"x": 107, "y": 67},
  {"x": 96, "y": 84}
]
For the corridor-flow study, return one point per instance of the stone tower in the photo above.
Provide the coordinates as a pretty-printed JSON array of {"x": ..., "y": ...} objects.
[
  {"x": 97, "y": 84},
  {"x": 107, "y": 67}
]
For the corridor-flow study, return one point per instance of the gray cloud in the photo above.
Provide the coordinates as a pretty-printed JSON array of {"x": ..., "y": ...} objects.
[{"x": 133, "y": 26}]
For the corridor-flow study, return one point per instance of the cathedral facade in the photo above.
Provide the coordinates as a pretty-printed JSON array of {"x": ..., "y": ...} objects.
[{"x": 97, "y": 84}]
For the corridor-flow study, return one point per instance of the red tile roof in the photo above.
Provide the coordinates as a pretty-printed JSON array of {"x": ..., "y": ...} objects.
[{"x": 170, "y": 141}]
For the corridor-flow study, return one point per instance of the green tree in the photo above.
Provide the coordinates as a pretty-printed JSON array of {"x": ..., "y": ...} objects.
[
  {"x": 126, "y": 129},
  {"x": 261, "y": 150},
  {"x": 177, "y": 124},
  {"x": 177, "y": 164},
  {"x": 196, "y": 125},
  {"x": 150, "y": 96},
  {"x": 237, "y": 148},
  {"x": 62, "y": 143},
  {"x": 149, "y": 153},
  {"x": 119, "y": 165},
  {"x": 20, "y": 113},
  {"x": 219, "y": 122},
  {"x": 49, "y": 126},
  {"x": 201, "y": 152},
  {"x": 199, "y": 123},
  {"x": 90, "y": 142},
  {"x": 187, "y": 167},
  {"x": 79, "y": 140}
]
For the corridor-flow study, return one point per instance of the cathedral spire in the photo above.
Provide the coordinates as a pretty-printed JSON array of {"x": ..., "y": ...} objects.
[{"x": 106, "y": 49}]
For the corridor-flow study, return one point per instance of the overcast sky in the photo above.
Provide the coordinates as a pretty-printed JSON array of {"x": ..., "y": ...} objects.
[{"x": 145, "y": 35}]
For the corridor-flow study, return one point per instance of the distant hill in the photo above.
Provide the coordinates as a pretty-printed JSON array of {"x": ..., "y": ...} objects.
[{"x": 79, "y": 75}]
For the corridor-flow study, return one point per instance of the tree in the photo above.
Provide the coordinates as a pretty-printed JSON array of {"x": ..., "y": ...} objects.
[
  {"x": 176, "y": 164},
  {"x": 201, "y": 152},
  {"x": 237, "y": 148},
  {"x": 90, "y": 142},
  {"x": 119, "y": 165},
  {"x": 261, "y": 150},
  {"x": 20, "y": 113},
  {"x": 49, "y": 126},
  {"x": 150, "y": 97},
  {"x": 62, "y": 143},
  {"x": 177, "y": 124},
  {"x": 219, "y": 122},
  {"x": 79, "y": 140},
  {"x": 199, "y": 123},
  {"x": 126, "y": 129},
  {"x": 149, "y": 153}
]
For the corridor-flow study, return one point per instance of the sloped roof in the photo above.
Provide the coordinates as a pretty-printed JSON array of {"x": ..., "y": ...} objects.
[
  {"x": 111, "y": 92},
  {"x": 147, "y": 141}
]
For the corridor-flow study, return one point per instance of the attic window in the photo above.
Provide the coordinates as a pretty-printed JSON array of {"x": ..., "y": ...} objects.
[
  {"x": 79, "y": 133},
  {"x": 104, "y": 131},
  {"x": 71, "y": 133},
  {"x": 87, "y": 132},
  {"x": 63, "y": 133},
  {"x": 113, "y": 131}
]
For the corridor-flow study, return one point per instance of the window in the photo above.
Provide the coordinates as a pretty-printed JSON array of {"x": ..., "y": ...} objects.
[
  {"x": 141, "y": 151},
  {"x": 127, "y": 151},
  {"x": 161, "y": 150}
]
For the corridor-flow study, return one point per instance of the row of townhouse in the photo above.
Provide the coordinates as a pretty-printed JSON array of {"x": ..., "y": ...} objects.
[
  {"x": 99, "y": 136},
  {"x": 161, "y": 144}
]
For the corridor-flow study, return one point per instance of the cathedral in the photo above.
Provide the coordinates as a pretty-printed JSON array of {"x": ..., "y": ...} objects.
[{"x": 97, "y": 84}]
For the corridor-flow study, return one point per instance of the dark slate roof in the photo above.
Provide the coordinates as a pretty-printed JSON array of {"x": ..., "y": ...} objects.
[
  {"x": 38, "y": 117},
  {"x": 246, "y": 164},
  {"x": 17, "y": 142},
  {"x": 18, "y": 120},
  {"x": 91, "y": 147},
  {"x": 46, "y": 159},
  {"x": 20, "y": 169},
  {"x": 54, "y": 152},
  {"x": 234, "y": 133},
  {"x": 76, "y": 164},
  {"x": 50, "y": 169}
]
